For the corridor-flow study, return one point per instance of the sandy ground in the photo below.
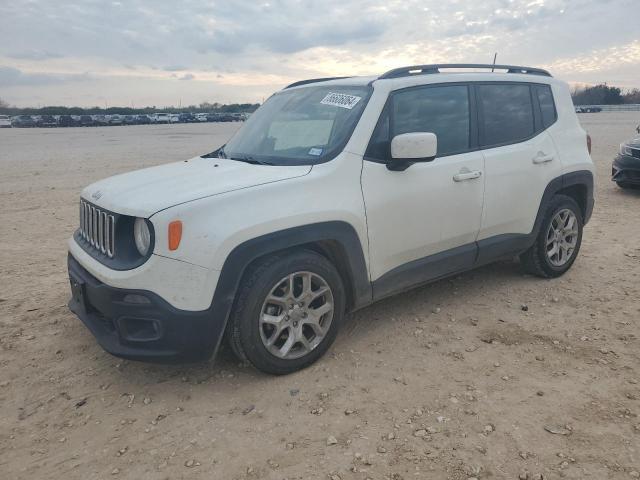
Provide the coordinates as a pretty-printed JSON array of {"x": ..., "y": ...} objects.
[{"x": 450, "y": 381}]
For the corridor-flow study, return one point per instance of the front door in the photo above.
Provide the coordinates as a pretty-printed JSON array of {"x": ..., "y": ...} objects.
[{"x": 423, "y": 221}]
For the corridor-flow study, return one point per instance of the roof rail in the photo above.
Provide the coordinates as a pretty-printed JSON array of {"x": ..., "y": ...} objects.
[
  {"x": 435, "y": 68},
  {"x": 312, "y": 80}
]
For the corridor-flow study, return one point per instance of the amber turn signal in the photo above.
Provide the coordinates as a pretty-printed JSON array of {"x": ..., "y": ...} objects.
[{"x": 175, "y": 234}]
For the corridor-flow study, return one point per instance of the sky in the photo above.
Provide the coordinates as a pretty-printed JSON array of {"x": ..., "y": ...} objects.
[{"x": 164, "y": 52}]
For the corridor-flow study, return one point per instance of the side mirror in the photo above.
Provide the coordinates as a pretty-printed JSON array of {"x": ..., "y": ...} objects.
[{"x": 409, "y": 148}]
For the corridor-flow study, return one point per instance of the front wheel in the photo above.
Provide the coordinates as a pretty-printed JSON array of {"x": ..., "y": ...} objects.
[
  {"x": 558, "y": 241},
  {"x": 287, "y": 312}
]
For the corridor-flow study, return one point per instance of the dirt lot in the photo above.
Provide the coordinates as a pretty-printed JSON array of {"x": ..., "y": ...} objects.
[{"x": 451, "y": 381}]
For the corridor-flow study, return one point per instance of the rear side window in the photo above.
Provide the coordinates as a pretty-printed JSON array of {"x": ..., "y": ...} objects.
[
  {"x": 547, "y": 107},
  {"x": 443, "y": 110},
  {"x": 507, "y": 112}
]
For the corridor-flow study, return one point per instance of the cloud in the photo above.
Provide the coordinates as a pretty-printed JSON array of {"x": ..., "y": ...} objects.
[
  {"x": 35, "y": 55},
  {"x": 258, "y": 47},
  {"x": 174, "y": 68},
  {"x": 12, "y": 77}
]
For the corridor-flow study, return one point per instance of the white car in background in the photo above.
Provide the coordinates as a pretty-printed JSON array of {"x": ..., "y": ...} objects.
[
  {"x": 201, "y": 117},
  {"x": 336, "y": 193},
  {"x": 161, "y": 118},
  {"x": 174, "y": 118},
  {"x": 5, "y": 121}
]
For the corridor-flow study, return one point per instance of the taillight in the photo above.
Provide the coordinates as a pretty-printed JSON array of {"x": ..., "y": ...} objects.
[{"x": 589, "y": 143}]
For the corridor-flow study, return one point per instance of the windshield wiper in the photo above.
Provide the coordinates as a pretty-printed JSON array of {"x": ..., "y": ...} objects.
[{"x": 249, "y": 159}]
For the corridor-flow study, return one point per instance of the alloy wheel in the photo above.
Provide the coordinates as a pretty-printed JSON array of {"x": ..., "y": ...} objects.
[
  {"x": 296, "y": 315},
  {"x": 562, "y": 237}
]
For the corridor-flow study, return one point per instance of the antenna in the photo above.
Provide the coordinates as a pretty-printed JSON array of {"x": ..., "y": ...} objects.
[{"x": 495, "y": 56}]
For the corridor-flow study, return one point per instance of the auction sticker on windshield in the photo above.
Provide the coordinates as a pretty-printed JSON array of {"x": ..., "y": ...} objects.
[{"x": 340, "y": 100}]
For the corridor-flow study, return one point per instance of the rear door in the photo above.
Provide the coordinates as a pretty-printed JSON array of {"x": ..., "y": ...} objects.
[{"x": 520, "y": 157}]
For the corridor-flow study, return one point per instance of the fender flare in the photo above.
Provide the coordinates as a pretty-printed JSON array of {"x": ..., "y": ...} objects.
[
  {"x": 338, "y": 232},
  {"x": 508, "y": 244}
]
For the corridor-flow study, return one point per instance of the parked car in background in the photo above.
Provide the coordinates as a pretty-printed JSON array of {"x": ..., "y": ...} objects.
[
  {"x": 100, "y": 120},
  {"x": 129, "y": 120},
  {"x": 161, "y": 118},
  {"x": 341, "y": 192},
  {"x": 86, "y": 121},
  {"x": 174, "y": 118},
  {"x": 201, "y": 117},
  {"x": 66, "y": 121},
  {"x": 588, "y": 109},
  {"x": 5, "y": 121},
  {"x": 23, "y": 121},
  {"x": 47, "y": 121},
  {"x": 187, "y": 118},
  {"x": 143, "y": 119},
  {"x": 116, "y": 119},
  {"x": 625, "y": 170}
]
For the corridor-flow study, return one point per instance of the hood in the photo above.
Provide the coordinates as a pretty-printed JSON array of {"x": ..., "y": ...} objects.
[{"x": 144, "y": 192}]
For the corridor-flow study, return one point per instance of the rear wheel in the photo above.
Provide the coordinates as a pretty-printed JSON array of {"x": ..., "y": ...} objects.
[
  {"x": 559, "y": 240},
  {"x": 288, "y": 311}
]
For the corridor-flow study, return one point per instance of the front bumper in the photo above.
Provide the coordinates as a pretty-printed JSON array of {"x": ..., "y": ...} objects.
[
  {"x": 149, "y": 331},
  {"x": 626, "y": 169}
]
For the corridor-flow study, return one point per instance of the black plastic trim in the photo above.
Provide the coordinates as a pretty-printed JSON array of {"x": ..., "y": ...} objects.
[
  {"x": 425, "y": 270},
  {"x": 482, "y": 252},
  {"x": 626, "y": 169},
  {"x": 312, "y": 80},
  {"x": 435, "y": 68},
  {"x": 179, "y": 336},
  {"x": 341, "y": 232}
]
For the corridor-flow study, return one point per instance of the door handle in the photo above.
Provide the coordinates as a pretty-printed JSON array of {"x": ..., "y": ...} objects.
[
  {"x": 462, "y": 176},
  {"x": 541, "y": 157}
]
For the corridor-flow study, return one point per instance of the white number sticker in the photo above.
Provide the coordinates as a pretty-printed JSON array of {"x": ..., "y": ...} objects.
[{"x": 341, "y": 100}]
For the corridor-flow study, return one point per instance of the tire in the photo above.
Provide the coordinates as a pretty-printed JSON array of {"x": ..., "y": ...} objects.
[
  {"x": 539, "y": 259},
  {"x": 261, "y": 342}
]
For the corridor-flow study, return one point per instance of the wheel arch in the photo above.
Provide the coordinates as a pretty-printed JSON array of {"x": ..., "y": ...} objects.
[
  {"x": 338, "y": 241},
  {"x": 577, "y": 185}
]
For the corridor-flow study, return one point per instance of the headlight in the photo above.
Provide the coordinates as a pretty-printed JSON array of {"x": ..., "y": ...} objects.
[
  {"x": 142, "y": 236},
  {"x": 625, "y": 149}
]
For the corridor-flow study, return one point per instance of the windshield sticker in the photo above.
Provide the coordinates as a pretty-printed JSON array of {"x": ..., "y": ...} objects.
[
  {"x": 315, "y": 151},
  {"x": 341, "y": 100}
]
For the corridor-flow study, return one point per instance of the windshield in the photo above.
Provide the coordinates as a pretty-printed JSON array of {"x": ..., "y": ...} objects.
[{"x": 300, "y": 127}]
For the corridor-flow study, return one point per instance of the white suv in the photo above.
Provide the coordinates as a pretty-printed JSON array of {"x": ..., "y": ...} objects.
[{"x": 334, "y": 194}]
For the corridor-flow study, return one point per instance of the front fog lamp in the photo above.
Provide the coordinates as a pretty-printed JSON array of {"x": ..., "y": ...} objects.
[{"x": 142, "y": 236}]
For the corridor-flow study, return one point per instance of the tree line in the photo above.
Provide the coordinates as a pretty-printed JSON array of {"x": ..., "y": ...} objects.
[
  {"x": 603, "y": 94},
  {"x": 205, "y": 107}
]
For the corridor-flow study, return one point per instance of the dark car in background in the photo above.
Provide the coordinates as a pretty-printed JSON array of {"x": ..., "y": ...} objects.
[
  {"x": 625, "y": 170},
  {"x": 23, "y": 121},
  {"x": 66, "y": 121},
  {"x": 86, "y": 121},
  {"x": 143, "y": 120},
  {"x": 129, "y": 120},
  {"x": 187, "y": 118},
  {"x": 47, "y": 121}
]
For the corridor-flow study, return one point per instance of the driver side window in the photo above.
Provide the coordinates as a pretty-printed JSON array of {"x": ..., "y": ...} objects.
[{"x": 443, "y": 110}]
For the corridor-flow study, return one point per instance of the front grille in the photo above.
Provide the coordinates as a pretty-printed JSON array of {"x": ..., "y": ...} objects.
[{"x": 97, "y": 228}]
